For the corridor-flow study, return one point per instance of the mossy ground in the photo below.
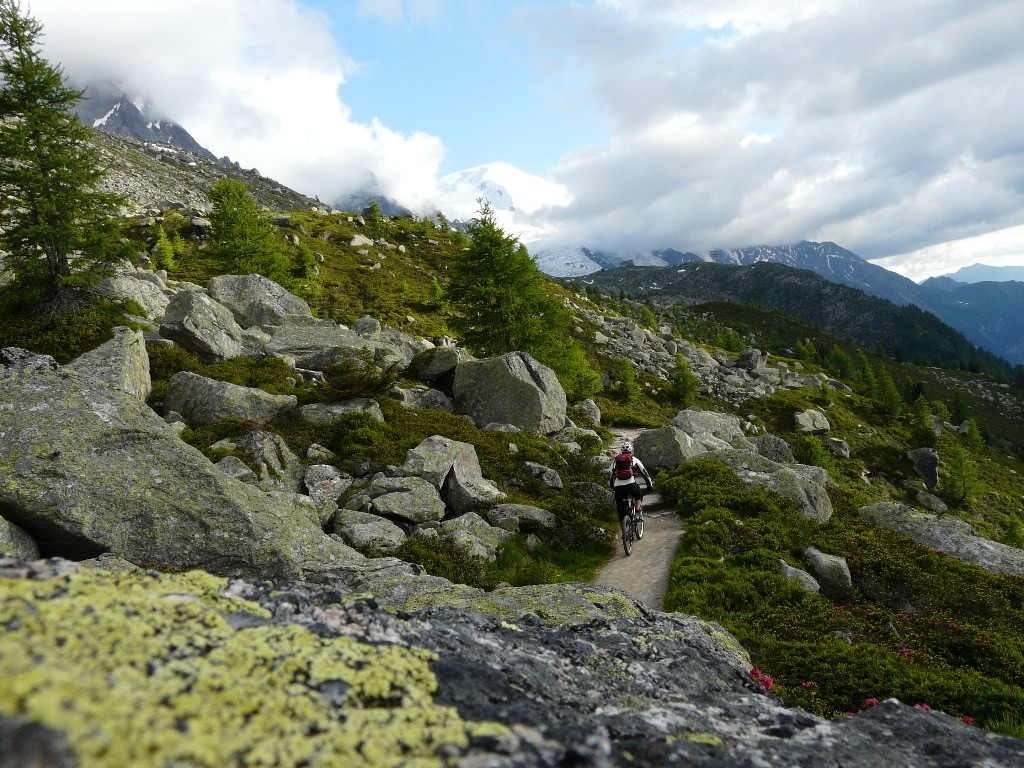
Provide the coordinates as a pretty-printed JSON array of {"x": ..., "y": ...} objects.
[{"x": 144, "y": 669}]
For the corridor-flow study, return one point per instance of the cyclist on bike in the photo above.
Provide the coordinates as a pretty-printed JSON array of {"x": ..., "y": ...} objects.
[{"x": 622, "y": 479}]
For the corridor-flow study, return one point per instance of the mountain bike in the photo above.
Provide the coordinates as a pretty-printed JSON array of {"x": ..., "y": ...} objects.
[{"x": 632, "y": 525}]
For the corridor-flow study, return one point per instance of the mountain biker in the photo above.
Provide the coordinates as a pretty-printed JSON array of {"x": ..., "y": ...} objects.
[{"x": 622, "y": 479}]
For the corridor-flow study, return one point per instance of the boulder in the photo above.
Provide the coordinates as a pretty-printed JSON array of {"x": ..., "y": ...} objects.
[
  {"x": 143, "y": 292},
  {"x": 325, "y": 484},
  {"x": 805, "y": 485},
  {"x": 712, "y": 430},
  {"x": 277, "y": 468},
  {"x": 323, "y": 343},
  {"x": 802, "y": 579},
  {"x": 437, "y": 366},
  {"x": 926, "y": 465},
  {"x": 90, "y": 469},
  {"x": 367, "y": 325},
  {"x": 454, "y": 469},
  {"x": 14, "y": 542},
  {"x": 840, "y": 448},
  {"x": 666, "y": 447},
  {"x": 774, "y": 448},
  {"x": 812, "y": 422},
  {"x": 833, "y": 572},
  {"x": 752, "y": 359},
  {"x": 327, "y": 413},
  {"x": 955, "y": 538},
  {"x": 520, "y": 518},
  {"x": 587, "y": 413},
  {"x": 514, "y": 389},
  {"x": 474, "y": 535},
  {"x": 202, "y": 401},
  {"x": 255, "y": 300},
  {"x": 932, "y": 503},
  {"x": 366, "y": 533},
  {"x": 122, "y": 363},
  {"x": 411, "y": 499},
  {"x": 421, "y": 398},
  {"x": 202, "y": 326},
  {"x": 547, "y": 476}
]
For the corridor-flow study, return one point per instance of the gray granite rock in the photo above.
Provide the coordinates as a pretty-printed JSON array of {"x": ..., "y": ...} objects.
[
  {"x": 514, "y": 389},
  {"x": 202, "y": 401},
  {"x": 122, "y": 363}
]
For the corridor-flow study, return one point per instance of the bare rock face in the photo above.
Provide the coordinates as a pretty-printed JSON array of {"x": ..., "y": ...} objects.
[
  {"x": 514, "y": 389},
  {"x": 832, "y": 571},
  {"x": 255, "y": 300},
  {"x": 203, "y": 326},
  {"x": 954, "y": 537},
  {"x": 713, "y": 431},
  {"x": 86, "y": 469},
  {"x": 122, "y": 362},
  {"x": 926, "y": 465},
  {"x": 201, "y": 401},
  {"x": 812, "y": 422},
  {"x": 666, "y": 447}
]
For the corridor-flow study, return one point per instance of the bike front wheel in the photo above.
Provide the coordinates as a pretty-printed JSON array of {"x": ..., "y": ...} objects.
[
  {"x": 639, "y": 525},
  {"x": 627, "y": 536}
]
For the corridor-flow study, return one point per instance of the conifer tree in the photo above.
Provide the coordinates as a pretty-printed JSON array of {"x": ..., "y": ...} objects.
[
  {"x": 684, "y": 382},
  {"x": 58, "y": 226},
  {"x": 886, "y": 396},
  {"x": 924, "y": 432},
  {"x": 241, "y": 236}
]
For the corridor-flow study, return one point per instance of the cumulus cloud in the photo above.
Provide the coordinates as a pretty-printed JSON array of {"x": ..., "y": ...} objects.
[
  {"x": 886, "y": 127},
  {"x": 257, "y": 79}
]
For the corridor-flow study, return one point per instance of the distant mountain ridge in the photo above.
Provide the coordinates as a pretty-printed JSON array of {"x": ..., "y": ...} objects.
[
  {"x": 980, "y": 273},
  {"x": 116, "y": 112}
]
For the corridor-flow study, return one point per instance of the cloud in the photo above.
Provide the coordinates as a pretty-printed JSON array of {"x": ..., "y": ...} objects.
[
  {"x": 885, "y": 127},
  {"x": 258, "y": 80},
  {"x": 1004, "y": 248},
  {"x": 395, "y": 11}
]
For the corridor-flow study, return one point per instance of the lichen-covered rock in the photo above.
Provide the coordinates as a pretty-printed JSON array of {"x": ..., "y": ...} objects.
[
  {"x": 774, "y": 448},
  {"x": 255, "y": 300},
  {"x": 712, "y": 430},
  {"x": 202, "y": 401},
  {"x": 454, "y": 469},
  {"x": 932, "y": 503},
  {"x": 587, "y": 413},
  {"x": 514, "y": 389},
  {"x": 325, "y": 484},
  {"x": 425, "y": 398},
  {"x": 954, "y": 537},
  {"x": 520, "y": 518},
  {"x": 412, "y": 499},
  {"x": 235, "y": 468},
  {"x": 122, "y": 363},
  {"x": 328, "y": 413},
  {"x": 14, "y": 542},
  {"x": 316, "y": 346},
  {"x": 158, "y": 669},
  {"x": 94, "y": 469},
  {"x": 277, "y": 468},
  {"x": 832, "y": 571},
  {"x": 203, "y": 326},
  {"x": 666, "y": 447},
  {"x": 368, "y": 533},
  {"x": 437, "y": 366},
  {"x": 473, "y": 535},
  {"x": 840, "y": 448},
  {"x": 812, "y": 422},
  {"x": 129, "y": 287}
]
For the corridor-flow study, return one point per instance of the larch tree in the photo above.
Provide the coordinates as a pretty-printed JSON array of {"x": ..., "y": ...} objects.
[{"x": 58, "y": 226}]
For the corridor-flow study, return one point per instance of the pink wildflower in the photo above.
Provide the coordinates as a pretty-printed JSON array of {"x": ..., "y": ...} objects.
[
  {"x": 967, "y": 719},
  {"x": 923, "y": 707},
  {"x": 871, "y": 702}
]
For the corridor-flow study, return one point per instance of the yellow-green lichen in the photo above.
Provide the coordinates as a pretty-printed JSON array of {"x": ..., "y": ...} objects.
[
  {"x": 697, "y": 737},
  {"x": 141, "y": 671}
]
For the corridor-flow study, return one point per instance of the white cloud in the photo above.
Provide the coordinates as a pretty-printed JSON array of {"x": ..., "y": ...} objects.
[
  {"x": 394, "y": 11},
  {"x": 1004, "y": 248},
  {"x": 258, "y": 80},
  {"x": 892, "y": 126}
]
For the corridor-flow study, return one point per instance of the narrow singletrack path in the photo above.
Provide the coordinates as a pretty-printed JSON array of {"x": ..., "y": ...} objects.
[{"x": 644, "y": 574}]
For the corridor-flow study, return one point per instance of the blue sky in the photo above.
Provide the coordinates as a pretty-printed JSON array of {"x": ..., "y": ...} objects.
[
  {"x": 891, "y": 128},
  {"x": 469, "y": 76}
]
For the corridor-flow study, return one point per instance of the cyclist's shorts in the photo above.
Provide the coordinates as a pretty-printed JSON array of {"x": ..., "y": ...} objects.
[{"x": 630, "y": 491}]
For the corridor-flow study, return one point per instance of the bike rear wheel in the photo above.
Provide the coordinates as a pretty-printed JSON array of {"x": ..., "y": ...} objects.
[
  {"x": 628, "y": 534},
  {"x": 639, "y": 525}
]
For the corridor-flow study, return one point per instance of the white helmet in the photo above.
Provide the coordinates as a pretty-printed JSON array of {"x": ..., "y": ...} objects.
[{"x": 627, "y": 447}]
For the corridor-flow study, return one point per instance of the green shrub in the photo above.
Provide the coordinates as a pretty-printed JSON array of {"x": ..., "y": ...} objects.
[
  {"x": 64, "y": 337},
  {"x": 440, "y": 557}
]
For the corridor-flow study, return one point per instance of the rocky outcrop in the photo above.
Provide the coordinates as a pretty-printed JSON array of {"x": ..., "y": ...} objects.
[
  {"x": 520, "y": 518},
  {"x": 437, "y": 366},
  {"x": 774, "y": 448},
  {"x": 472, "y": 534},
  {"x": 514, "y": 389},
  {"x": 955, "y": 538},
  {"x": 326, "y": 414},
  {"x": 440, "y": 673},
  {"x": 453, "y": 468},
  {"x": 85, "y": 469},
  {"x": 666, "y": 447},
  {"x": 318, "y": 344},
  {"x": 812, "y": 422},
  {"x": 409, "y": 499},
  {"x": 546, "y": 475},
  {"x": 713, "y": 431},
  {"x": 806, "y": 485},
  {"x": 277, "y": 468},
  {"x": 122, "y": 363},
  {"x": 200, "y": 400},
  {"x": 255, "y": 300},
  {"x": 202, "y": 326},
  {"x": 367, "y": 532},
  {"x": 14, "y": 542},
  {"x": 832, "y": 571},
  {"x": 148, "y": 294}
]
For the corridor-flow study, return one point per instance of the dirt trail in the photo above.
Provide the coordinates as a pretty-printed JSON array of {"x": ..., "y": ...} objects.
[{"x": 644, "y": 574}]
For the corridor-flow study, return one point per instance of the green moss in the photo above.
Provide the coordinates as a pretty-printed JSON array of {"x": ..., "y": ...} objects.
[{"x": 145, "y": 670}]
